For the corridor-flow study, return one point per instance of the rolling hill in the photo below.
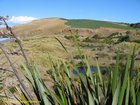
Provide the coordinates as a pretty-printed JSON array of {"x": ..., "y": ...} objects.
[
  {"x": 60, "y": 25},
  {"x": 41, "y": 26},
  {"x": 85, "y": 23}
]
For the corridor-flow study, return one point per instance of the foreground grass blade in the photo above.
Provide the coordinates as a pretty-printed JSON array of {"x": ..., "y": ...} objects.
[
  {"x": 100, "y": 78},
  {"x": 116, "y": 94},
  {"x": 89, "y": 72},
  {"x": 61, "y": 44},
  {"x": 28, "y": 74},
  {"x": 124, "y": 82},
  {"x": 90, "y": 98},
  {"x": 33, "y": 76},
  {"x": 132, "y": 60},
  {"x": 127, "y": 92},
  {"x": 115, "y": 75},
  {"x": 41, "y": 88},
  {"x": 133, "y": 93},
  {"x": 99, "y": 73},
  {"x": 138, "y": 98}
]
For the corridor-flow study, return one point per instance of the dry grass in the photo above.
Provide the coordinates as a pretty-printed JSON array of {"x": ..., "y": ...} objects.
[{"x": 43, "y": 26}]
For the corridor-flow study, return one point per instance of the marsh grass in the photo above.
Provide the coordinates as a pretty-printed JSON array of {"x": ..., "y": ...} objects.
[{"x": 117, "y": 87}]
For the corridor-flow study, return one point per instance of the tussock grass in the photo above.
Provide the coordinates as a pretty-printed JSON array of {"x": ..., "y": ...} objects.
[{"x": 118, "y": 87}]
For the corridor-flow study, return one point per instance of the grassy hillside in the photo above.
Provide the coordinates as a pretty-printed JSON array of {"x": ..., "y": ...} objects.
[
  {"x": 84, "y": 23},
  {"x": 40, "y": 27}
]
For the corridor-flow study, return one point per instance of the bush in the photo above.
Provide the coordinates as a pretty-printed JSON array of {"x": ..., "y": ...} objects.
[
  {"x": 96, "y": 36},
  {"x": 88, "y": 39},
  {"x": 128, "y": 32},
  {"x": 124, "y": 38}
]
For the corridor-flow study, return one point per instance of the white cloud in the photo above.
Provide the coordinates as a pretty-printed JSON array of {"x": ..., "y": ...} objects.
[{"x": 21, "y": 19}]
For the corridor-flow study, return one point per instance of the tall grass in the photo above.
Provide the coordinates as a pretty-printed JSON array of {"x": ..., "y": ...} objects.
[{"x": 118, "y": 87}]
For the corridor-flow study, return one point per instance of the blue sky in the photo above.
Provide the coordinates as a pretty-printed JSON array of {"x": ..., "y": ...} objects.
[{"x": 110, "y": 10}]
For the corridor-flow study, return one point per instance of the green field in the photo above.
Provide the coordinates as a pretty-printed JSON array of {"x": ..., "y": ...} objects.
[{"x": 85, "y": 23}]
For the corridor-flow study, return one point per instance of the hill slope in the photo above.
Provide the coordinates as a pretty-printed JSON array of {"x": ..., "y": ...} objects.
[
  {"x": 53, "y": 26},
  {"x": 84, "y": 23},
  {"x": 42, "y": 26},
  {"x": 62, "y": 26}
]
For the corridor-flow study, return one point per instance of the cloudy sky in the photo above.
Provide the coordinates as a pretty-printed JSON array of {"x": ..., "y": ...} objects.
[{"x": 22, "y": 11}]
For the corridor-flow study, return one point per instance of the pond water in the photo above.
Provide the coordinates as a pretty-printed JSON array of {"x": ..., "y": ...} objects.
[
  {"x": 93, "y": 69},
  {"x": 4, "y": 40}
]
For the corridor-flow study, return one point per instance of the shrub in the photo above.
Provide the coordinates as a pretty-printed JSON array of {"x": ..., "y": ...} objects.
[
  {"x": 124, "y": 38},
  {"x": 96, "y": 36},
  {"x": 128, "y": 32},
  {"x": 88, "y": 39}
]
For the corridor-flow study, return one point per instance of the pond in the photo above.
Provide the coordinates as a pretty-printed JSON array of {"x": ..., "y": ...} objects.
[
  {"x": 2, "y": 40},
  {"x": 93, "y": 69}
]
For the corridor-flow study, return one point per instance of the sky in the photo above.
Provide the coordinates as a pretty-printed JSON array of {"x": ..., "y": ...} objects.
[{"x": 22, "y": 11}]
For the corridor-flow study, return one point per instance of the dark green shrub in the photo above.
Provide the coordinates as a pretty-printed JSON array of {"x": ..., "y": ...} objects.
[
  {"x": 96, "y": 36},
  {"x": 124, "y": 38},
  {"x": 128, "y": 32}
]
